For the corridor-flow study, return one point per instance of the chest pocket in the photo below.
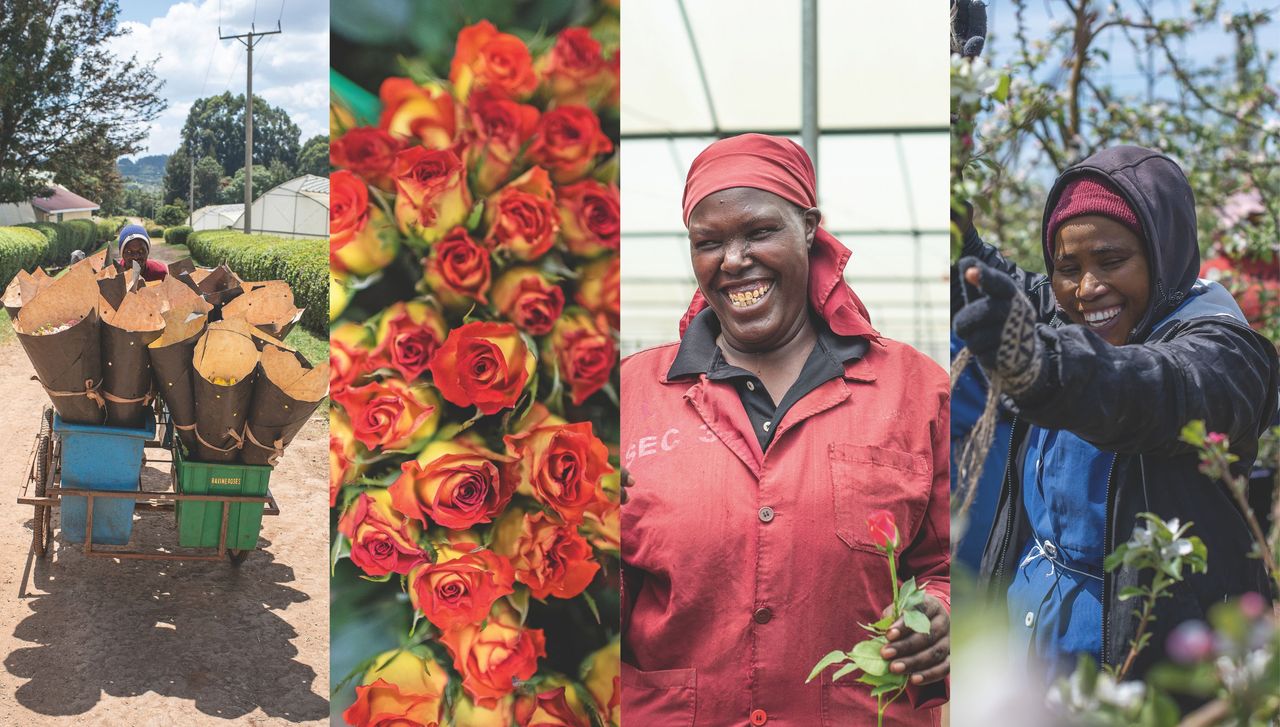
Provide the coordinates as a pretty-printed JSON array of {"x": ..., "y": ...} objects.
[{"x": 865, "y": 479}]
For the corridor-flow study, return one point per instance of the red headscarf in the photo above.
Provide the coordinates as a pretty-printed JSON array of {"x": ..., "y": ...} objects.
[{"x": 781, "y": 167}]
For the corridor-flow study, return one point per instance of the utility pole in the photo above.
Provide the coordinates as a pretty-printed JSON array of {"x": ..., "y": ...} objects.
[
  {"x": 249, "y": 40},
  {"x": 191, "y": 196}
]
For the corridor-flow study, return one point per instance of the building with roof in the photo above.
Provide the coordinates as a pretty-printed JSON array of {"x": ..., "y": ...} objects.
[
  {"x": 61, "y": 204},
  {"x": 217, "y": 216},
  {"x": 296, "y": 208}
]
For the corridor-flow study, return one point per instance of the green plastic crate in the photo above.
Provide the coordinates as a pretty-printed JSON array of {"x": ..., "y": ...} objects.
[{"x": 199, "y": 523}]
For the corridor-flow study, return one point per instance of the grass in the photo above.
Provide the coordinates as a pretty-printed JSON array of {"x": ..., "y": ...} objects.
[
  {"x": 314, "y": 348},
  {"x": 6, "y": 328}
]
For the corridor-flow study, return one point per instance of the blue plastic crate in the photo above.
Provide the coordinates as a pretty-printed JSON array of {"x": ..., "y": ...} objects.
[{"x": 101, "y": 458}]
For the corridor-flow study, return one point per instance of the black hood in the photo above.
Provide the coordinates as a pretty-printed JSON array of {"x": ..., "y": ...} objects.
[{"x": 1157, "y": 190}]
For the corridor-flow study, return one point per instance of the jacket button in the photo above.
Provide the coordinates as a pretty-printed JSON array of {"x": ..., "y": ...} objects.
[
  {"x": 766, "y": 426},
  {"x": 751, "y": 386},
  {"x": 1029, "y": 619},
  {"x": 763, "y": 615},
  {"x": 759, "y": 717},
  {"x": 766, "y": 514}
]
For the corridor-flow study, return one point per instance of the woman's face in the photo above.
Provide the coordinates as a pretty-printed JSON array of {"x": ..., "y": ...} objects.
[
  {"x": 1101, "y": 277},
  {"x": 750, "y": 253},
  {"x": 134, "y": 251}
]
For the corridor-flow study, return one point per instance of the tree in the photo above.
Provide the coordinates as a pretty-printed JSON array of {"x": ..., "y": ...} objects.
[
  {"x": 215, "y": 127},
  {"x": 139, "y": 201},
  {"x": 70, "y": 106},
  {"x": 264, "y": 177},
  {"x": 314, "y": 157},
  {"x": 172, "y": 214},
  {"x": 208, "y": 182}
]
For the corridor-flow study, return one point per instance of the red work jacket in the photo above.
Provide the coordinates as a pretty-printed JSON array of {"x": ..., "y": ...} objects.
[{"x": 743, "y": 569}]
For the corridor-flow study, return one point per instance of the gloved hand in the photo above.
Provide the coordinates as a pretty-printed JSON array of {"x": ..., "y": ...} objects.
[
  {"x": 968, "y": 27},
  {"x": 1000, "y": 328}
]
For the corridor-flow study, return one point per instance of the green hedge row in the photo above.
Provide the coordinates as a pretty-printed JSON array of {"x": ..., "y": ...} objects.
[
  {"x": 21, "y": 248},
  {"x": 303, "y": 263},
  {"x": 109, "y": 228},
  {"x": 177, "y": 235}
]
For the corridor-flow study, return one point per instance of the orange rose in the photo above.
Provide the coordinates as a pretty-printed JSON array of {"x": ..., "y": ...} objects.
[
  {"x": 424, "y": 114},
  {"x": 359, "y": 242},
  {"x": 344, "y": 465},
  {"x": 467, "y": 713},
  {"x": 487, "y": 59},
  {"x": 499, "y": 129},
  {"x": 559, "y": 707},
  {"x": 552, "y": 559},
  {"x": 603, "y": 669},
  {"x": 461, "y": 586},
  {"x": 432, "y": 194},
  {"x": 382, "y": 540},
  {"x": 402, "y": 690},
  {"x": 522, "y": 217},
  {"x": 490, "y": 658},
  {"x": 391, "y": 414},
  {"x": 458, "y": 269},
  {"x": 589, "y": 217},
  {"x": 454, "y": 484},
  {"x": 483, "y": 364},
  {"x": 567, "y": 143},
  {"x": 368, "y": 152},
  {"x": 349, "y": 347},
  {"x": 524, "y": 296},
  {"x": 602, "y": 520},
  {"x": 584, "y": 351},
  {"x": 407, "y": 334},
  {"x": 561, "y": 464},
  {"x": 575, "y": 71},
  {"x": 600, "y": 288}
]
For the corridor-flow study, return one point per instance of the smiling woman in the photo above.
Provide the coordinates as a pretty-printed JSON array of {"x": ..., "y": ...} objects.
[{"x": 769, "y": 414}]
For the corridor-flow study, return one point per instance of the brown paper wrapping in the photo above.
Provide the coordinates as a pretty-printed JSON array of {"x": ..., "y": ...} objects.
[
  {"x": 218, "y": 285},
  {"x": 286, "y": 393},
  {"x": 226, "y": 351},
  {"x": 67, "y": 363},
  {"x": 267, "y": 306},
  {"x": 24, "y": 286},
  {"x": 126, "y": 373}
]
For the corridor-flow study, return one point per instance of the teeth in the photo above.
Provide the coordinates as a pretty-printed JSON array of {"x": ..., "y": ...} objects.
[
  {"x": 1101, "y": 317},
  {"x": 750, "y": 297}
]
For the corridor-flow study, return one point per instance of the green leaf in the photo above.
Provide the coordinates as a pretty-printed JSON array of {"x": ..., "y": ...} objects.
[
  {"x": 867, "y": 656},
  {"x": 1131, "y": 592},
  {"x": 591, "y": 603},
  {"x": 1002, "y": 91},
  {"x": 834, "y": 657},
  {"x": 341, "y": 549},
  {"x": 473, "y": 219},
  {"x": 916, "y": 621},
  {"x": 884, "y": 689},
  {"x": 845, "y": 670}
]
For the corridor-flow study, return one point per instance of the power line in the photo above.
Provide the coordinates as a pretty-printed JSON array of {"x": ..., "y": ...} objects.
[{"x": 250, "y": 39}]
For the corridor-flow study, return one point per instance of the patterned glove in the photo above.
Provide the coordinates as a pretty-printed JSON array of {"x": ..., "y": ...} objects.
[
  {"x": 968, "y": 27},
  {"x": 1000, "y": 329}
]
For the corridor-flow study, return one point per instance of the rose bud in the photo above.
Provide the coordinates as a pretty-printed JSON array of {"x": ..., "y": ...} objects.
[
  {"x": 382, "y": 540},
  {"x": 344, "y": 454},
  {"x": 558, "y": 707},
  {"x": 560, "y": 465},
  {"x": 486, "y": 59},
  {"x": 368, "y": 152},
  {"x": 349, "y": 349},
  {"x": 458, "y": 270},
  {"x": 567, "y": 143},
  {"x": 490, "y": 658},
  {"x": 421, "y": 114},
  {"x": 521, "y": 216},
  {"x": 589, "y": 218},
  {"x": 600, "y": 288},
  {"x": 455, "y": 484},
  {"x": 461, "y": 586},
  {"x": 483, "y": 364},
  {"x": 499, "y": 129},
  {"x": 432, "y": 195},
  {"x": 408, "y": 333},
  {"x": 884, "y": 531},
  {"x": 526, "y": 297},
  {"x": 584, "y": 351},
  {"x": 1190, "y": 642},
  {"x": 603, "y": 680},
  {"x": 361, "y": 242},
  {"x": 469, "y": 714},
  {"x": 552, "y": 559},
  {"x": 400, "y": 689},
  {"x": 574, "y": 71},
  {"x": 391, "y": 415}
]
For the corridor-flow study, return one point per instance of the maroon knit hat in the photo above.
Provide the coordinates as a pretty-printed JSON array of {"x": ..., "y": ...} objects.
[{"x": 1090, "y": 195}]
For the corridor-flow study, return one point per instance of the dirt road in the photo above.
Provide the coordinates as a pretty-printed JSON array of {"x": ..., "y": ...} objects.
[{"x": 97, "y": 641}]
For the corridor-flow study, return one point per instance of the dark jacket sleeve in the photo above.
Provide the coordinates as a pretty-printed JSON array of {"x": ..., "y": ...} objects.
[
  {"x": 1136, "y": 398},
  {"x": 1035, "y": 285}
]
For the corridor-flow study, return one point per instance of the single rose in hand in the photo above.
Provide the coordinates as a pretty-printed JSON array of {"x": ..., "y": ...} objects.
[
  {"x": 382, "y": 540},
  {"x": 884, "y": 531}
]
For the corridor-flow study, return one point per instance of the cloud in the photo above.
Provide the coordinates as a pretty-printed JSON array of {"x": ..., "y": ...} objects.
[{"x": 290, "y": 70}]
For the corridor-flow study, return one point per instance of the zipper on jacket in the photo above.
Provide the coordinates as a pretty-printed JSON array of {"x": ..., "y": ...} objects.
[
  {"x": 1008, "y": 482},
  {"x": 1107, "y": 547}
]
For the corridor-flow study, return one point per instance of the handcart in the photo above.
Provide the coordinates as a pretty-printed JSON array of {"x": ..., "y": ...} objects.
[{"x": 44, "y": 487}]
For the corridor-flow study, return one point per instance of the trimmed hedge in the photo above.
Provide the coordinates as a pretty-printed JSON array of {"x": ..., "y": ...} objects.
[
  {"x": 64, "y": 238},
  {"x": 303, "y": 263},
  {"x": 177, "y": 235},
  {"x": 155, "y": 233},
  {"x": 21, "y": 248},
  {"x": 109, "y": 228}
]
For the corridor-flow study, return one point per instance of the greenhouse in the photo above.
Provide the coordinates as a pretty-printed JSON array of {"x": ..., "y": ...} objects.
[{"x": 296, "y": 208}]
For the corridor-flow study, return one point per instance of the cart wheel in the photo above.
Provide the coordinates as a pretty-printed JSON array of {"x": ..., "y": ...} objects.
[
  {"x": 237, "y": 556},
  {"x": 42, "y": 524}
]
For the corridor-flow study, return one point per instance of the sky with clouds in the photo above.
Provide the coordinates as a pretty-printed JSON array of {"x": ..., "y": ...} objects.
[{"x": 290, "y": 70}]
